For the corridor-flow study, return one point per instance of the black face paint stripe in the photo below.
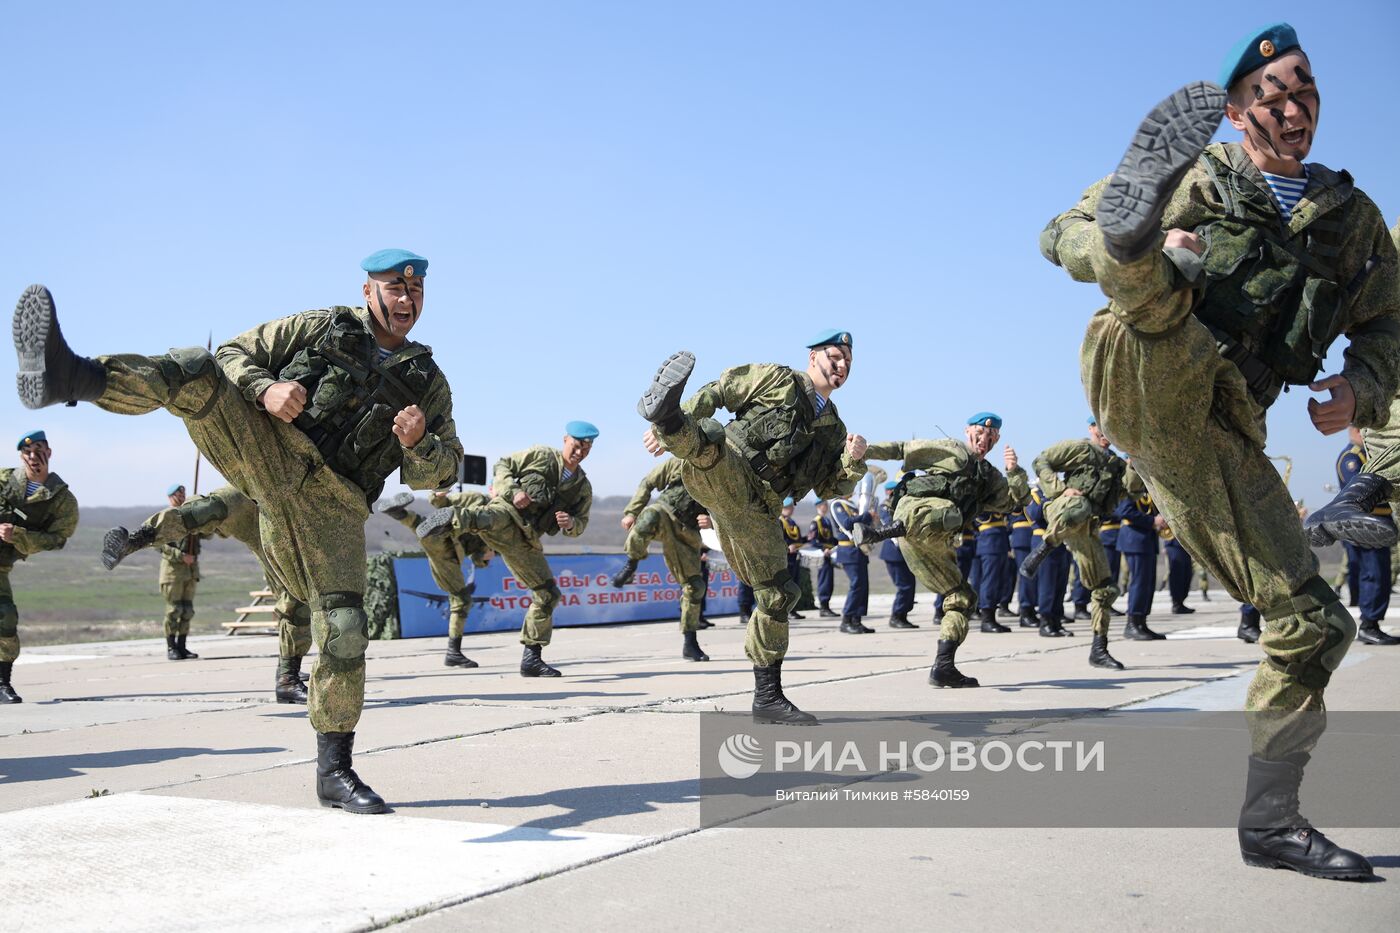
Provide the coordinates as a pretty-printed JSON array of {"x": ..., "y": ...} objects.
[
  {"x": 1262, "y": 132},
  {"x": 1303, "y": 76},
  {"x": 1301, "y": 106},
  {"x": 1276, "y": 82},
  {"x": 1258, "y": 92},
  {"x": 1277, "y": 114}
]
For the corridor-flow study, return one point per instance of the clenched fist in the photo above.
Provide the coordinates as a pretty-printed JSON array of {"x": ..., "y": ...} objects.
[
  {"x": 284, "y": 400},
  {"x": 855, "y": 446},
  {"x": 410, "y": 426}
]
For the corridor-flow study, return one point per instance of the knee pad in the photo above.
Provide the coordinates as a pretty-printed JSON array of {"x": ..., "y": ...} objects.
[
  {"x": 1104, "y": 594},
  {"x": 192, "y": 360},
  {"x": 959, "y": 599},
  {"x": 186, "y": 610},
  {"x": 9, "y": 619},
  {"x": 694, "y": 586},
  {"x": 203, "y": 511},
  {"x": 1322, "y": 612},
  {"x": 547, "y": 597},
  {"x": 647, "y": 522},
  {"x": 346, "y": 633}
]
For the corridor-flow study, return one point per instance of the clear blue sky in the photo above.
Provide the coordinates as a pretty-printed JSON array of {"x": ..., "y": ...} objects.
[{"x": 600, "y": 183}]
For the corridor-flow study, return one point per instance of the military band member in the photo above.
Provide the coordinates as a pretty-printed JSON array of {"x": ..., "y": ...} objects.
[
  {"x": 821, "y": 532},
  {"x": 900, "y": 574},
  {"x": 1368, "y": 567},
  {"x": 856, "y": 565},
  {"x": 1138, "y": 535}
]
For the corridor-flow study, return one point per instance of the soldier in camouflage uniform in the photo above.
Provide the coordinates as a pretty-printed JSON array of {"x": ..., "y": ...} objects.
[
  {"x": 1196, "y": 343},
  {"x": 676, "y": 519},
  {"x": 37, "y": 513},
  {"x": 228, "y": 513},
  {"x": 179, "y": 576},
  {"x": 307, "y": 416},
  {"x": 944, "y": 484},
  {"x": 539, "y": 491},
  {"x": 445, "y": 556},
  {"x": 786, "y": 439},
  {"x": 1083, "y": 482}
]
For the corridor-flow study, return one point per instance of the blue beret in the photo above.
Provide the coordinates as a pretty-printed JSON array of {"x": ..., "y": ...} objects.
[
  {"x": 33, "y": 437},
  {"x": 892, "y": 484},
  {"x": 788, "y": 501},
  {"x": 1091, "y": 420},
  {"x": 988, "y": 419},
  {"x": 174, "y": 489},
  {"x": 401, "y": 261},
  {"x": 1256, "y": 49},
  {"x": 581, "y": 430},
  {"x": 832, "y": 338}
]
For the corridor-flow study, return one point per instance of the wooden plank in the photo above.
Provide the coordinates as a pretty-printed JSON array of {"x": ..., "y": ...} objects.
[{"x": 254, "y": 610}]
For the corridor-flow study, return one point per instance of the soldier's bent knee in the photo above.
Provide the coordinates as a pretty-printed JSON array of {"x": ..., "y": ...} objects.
[
  {"x": 186, "y": 610},
  {"x": 959, "y": 599},
  {"x": 547, "y": 596},
  {"x": 346, "y": 632},
  {"x": 9, "y": 619},
  {"x": 1104, "y": 593},
  {"x": 777, "y": 596},
  {"x": 647, "y": 522},
  {"x": 203, "y": 511}
]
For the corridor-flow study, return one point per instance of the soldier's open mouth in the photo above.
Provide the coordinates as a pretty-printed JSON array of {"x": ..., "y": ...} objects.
[{"x": 1293, "y": 137}]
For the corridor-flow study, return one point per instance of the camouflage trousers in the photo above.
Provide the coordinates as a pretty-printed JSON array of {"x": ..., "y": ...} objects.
[
  {"x": 930, "y": 550},
  {"x": 179, "y": 606},
  {"x": 310, "y": 518},
  {"x": 9, "y": 618},
  {"x": 1162, "y": 392},
  {"x": 680, "y": 548},
  {"x": 229, "y": 513},
  {"x": 496, "y": 524},
  {"x": 1383, "y": 450},
  {"x": 746, "y": 521},
  {"x": 1069, "y": 520},
  {"x": 445, "y": 565}
]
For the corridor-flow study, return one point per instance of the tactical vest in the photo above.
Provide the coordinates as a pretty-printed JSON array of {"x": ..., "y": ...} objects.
[
  {"x": 352, "y": 399},
  {"x": 682, "y": 504},
  {"x": 965, "y": 489},
  {"x": 16, "y": 509},
  {"x": 1273, "y": 304},
  {"x": 546, "y": 499},
  {"x": 1102, "y": 484},
  {"x": 773, "y": 439}
]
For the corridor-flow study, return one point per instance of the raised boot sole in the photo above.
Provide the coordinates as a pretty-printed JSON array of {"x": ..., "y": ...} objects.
[
  {"x": 34, "y": 323},
  {"x": 663, "y": 397},
  {"x": 1166, "y": 144},
  {"x": 114, "y": 547},
  {"x": 438, "y": 523},
  {"x": 1365, "y": 531},
  {"x": 398, "y": 502}
]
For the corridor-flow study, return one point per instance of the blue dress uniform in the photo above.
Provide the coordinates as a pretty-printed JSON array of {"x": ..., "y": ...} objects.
[
  {"x": 822, "y": 533},
  {"x": 1138, "y": 542},
  {"x": 1052, "y": 577},
  {"x": 856, "y": 564},
  {"x": 1370, "y": 565},
  {"x": 1022, "y": 541},
  {"x": 993, "y": 545},
  {"x": 792, "y": 534},
  {"x": 1180, "y": 572},
  {"x": 899, "y": 571}
]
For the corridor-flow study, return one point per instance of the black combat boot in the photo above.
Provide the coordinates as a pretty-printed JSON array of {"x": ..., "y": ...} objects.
[
  {"x": 1029, "y": 618},
  {"x": 1034, "y": 559},
  {"x": 901, "y": 620},
  {"x": 661, "y": 403},
  {"x": 849, "y": 626},
  {"x": 396, "y": 506},
  {"x": 337, "y": 784},
  {"x": 704, "y": 623},
  {"x": 624, "y": 576},
  {"x": 824, "y": 611},
  {"x": 1349, "y": 516},
  {"x": 1099, "y": 656},
  {"x": 944, "y": 672},
  {"x": 1248, "y": 631},
  {"x": 1165, "y": 146},
  {"x": 437, "y": 523},
  {"x": 1181, "y": 609},
  {"x": 454, "y": 656},
  {"x": 1370, "y": 633},
  {"x": 7, "y": 692},
  {"x": 290, "y": 689},
  {"x": 532, "y": 665},
  {"x": 863, "y": 534},
  {"x": 118, "y": 543},
  {"x": 1053, "y": 628},
  {"x": 1081, "y": 612},
  {"x": 49, "y": 371},
  {"x": 1135, "y": 629},
  {"x": 170, "y": 653},
  {"x": 770, "y": 706},
  {"x": 1004, "y": 611},
  {"x": 989, "y": 621},
  {"x": 692, "y": 650},
  {"x": 1274, "y": 835},
  {"x": 793, "y": 614},
  {"x": 184, "y": 654}
]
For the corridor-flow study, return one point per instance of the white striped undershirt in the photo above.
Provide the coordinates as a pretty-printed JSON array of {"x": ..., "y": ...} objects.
[
  {"x": 821, "y": 403},
  {"x": 1287, "y": 191},
  {"x": 31, "y": 487}
]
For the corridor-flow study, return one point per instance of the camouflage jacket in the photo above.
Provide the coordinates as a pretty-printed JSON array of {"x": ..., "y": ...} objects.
[
  {"x": 43, "y": 522},
  {"x": 1365, "y": 265},
  {"x": 1101, "y": 475},
  {"x": 173, "y": 568},
  {"x": 675, "y": 500},
  {"x": 539, "y": 471},
  {"x": 252, "y": 360},
  {"x": 969, "y": 482},
  {"x": 813, "y": 456}
]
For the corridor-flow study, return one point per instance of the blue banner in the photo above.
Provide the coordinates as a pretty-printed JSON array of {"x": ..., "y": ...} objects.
[{"x": 588, "y": 598}]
